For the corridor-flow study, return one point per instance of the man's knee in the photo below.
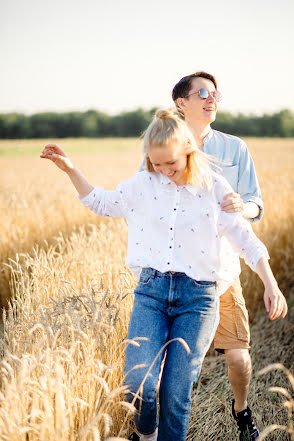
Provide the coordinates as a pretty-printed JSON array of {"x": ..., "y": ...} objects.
[{"x": 238, "y": 360}]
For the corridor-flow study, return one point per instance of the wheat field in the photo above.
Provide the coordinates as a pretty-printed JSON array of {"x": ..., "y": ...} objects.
[{"x": 68, "y": 297}]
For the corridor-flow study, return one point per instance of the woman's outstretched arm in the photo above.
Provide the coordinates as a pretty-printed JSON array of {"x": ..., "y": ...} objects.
[
  {"x": 57, "y": 155},
  {"x": 243, "y": 240},
  {"x": 274, "y": 301}
]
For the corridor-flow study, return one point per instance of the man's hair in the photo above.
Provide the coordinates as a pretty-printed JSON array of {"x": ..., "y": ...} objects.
[{"x": 183, "y": 87}]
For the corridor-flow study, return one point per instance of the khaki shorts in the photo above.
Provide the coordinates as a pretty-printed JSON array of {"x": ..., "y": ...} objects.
[{"x": 233, "y": 329}]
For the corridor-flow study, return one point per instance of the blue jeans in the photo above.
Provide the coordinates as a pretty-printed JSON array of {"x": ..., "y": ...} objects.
[{"x": 168, "y": 306}]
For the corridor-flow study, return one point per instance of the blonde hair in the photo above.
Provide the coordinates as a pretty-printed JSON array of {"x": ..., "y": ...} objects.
[{"x": 167, "y": 127}]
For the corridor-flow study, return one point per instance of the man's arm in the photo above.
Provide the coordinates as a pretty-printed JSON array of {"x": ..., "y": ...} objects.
[
  {"x": 233, "y": 203},
  {"x": 247, "y": 199},
  {"x": 250, "y": 210}
]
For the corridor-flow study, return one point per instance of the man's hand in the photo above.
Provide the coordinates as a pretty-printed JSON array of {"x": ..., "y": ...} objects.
[
  {"x": 275, "y": 302},
  {"x": 58, "y": 156},
  {"x": 232, "y": 203}
]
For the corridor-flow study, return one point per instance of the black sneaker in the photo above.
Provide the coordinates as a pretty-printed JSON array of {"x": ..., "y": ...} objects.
[
  {"x": 134, "y": 437},
  {"x": 248, "y": 430}
]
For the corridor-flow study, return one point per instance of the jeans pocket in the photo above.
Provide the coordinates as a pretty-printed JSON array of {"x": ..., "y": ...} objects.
[
  {"x": 204, "y": 284},
  {"x": 144, "y": 279}
]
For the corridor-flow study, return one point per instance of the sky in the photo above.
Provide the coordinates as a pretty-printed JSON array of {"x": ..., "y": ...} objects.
[{"x": 118, "y": 55}]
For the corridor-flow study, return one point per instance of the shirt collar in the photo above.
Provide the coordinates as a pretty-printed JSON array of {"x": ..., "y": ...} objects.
[
  {"x": 208, "y": 137},
  {"x": 191, "y": 188},
  {"x": 164, "y": 180}
]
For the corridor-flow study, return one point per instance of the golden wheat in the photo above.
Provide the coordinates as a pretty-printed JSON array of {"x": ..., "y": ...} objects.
[
  {"x": 289, "y": 404},
  {"x": 64, "y": 340},
  {"x": 64, "y": 333}
]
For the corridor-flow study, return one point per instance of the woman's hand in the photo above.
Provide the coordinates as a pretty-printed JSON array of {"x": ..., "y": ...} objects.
[
  {"x": 58, "y": 156},
  {"x": 275, "y": 302}
]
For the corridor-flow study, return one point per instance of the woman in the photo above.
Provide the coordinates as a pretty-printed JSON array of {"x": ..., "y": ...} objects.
[{"x": 175, "y": 225}]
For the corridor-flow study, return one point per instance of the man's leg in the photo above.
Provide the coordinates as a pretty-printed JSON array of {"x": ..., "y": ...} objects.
[
  {"x": 239, "y": 374},
  {"x": 232, "y": 338}
]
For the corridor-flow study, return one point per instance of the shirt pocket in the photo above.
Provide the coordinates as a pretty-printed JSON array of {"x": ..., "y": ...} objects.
[{"x": 231, "y": 174}]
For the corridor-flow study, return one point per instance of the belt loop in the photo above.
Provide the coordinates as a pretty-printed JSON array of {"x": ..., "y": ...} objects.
[
  {"x": 153, "y": 273},
  {"x": 150, "y": 271}
]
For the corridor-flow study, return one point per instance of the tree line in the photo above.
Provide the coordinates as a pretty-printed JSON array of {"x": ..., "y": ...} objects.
[{"x": 94, "y": 123}]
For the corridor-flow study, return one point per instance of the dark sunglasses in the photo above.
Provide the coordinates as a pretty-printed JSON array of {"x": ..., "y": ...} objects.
[{"x": 204, "y": 94}]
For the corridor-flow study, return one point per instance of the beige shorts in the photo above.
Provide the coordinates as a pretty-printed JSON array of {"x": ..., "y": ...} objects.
[{"x": 233, "y": 329}]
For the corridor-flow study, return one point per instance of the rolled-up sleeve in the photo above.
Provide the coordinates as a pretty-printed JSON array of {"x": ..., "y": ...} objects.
[{"x": 248, "y": 186}]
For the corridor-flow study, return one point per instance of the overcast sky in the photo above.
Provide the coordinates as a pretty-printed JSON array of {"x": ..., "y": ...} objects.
[{"x": 114, "y": 55}]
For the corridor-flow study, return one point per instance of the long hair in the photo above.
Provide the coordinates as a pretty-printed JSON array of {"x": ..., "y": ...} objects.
[{"x": 167, "y": 127}]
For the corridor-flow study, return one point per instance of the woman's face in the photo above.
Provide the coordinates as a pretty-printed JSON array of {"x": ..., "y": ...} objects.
[{"x": 171, "y": 161}]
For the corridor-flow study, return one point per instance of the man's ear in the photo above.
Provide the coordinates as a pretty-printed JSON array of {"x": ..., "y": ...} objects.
[{"x": 181, "y": 103}]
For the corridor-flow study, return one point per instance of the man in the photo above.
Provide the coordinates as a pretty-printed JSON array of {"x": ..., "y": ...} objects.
[{"x": 196, "y": 97}]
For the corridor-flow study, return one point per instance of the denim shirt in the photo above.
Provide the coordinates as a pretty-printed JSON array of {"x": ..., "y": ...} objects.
[{"x": 237, "y": 166}]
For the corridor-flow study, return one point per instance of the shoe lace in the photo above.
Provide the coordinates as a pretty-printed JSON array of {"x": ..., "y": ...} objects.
[
  {"x": 245, "y": 424},
  {"x": 248, "y": 425}
]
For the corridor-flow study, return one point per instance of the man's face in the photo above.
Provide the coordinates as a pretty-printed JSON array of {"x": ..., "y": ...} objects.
[{"x": 196, "y": 108}]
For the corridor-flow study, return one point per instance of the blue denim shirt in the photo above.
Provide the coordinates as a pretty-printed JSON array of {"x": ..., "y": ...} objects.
[
  {"x": 238, "y": 169},
  {"x": 237, "y": 166}
]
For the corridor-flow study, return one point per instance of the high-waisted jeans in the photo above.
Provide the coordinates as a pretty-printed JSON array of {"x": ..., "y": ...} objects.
[{"x": 168, "y": 306}]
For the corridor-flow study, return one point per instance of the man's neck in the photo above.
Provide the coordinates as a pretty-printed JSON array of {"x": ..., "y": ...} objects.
[{"x": 199, "y": 129}]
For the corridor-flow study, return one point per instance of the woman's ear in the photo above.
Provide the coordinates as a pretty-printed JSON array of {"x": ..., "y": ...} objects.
[{"x": 149, "y": 165}]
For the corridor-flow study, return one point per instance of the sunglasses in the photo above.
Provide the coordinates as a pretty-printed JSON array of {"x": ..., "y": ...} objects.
[{"x": 204, "y": 94}]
